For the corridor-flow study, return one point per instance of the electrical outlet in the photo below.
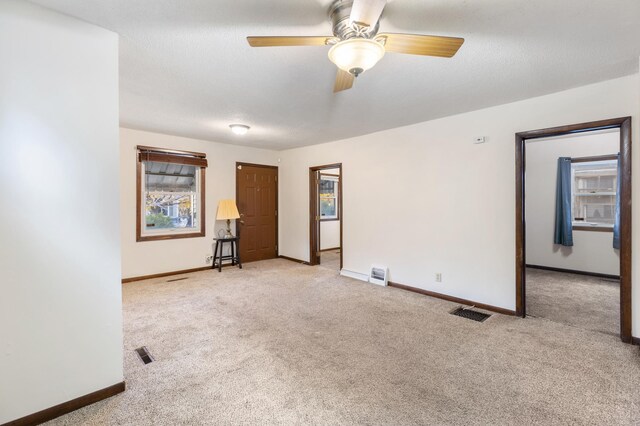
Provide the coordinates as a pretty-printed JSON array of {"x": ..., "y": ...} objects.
[
  {"x": 438, "y": 277},
  {"x": 208, "y": 259}
]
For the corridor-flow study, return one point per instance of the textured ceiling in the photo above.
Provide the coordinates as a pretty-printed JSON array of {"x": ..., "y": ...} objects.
[{"x": 186, "y": 68}]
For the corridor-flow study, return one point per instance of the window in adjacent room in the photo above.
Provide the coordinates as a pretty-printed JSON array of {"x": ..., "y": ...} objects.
[
  {"x": 594, "y": 186},
  {"x": 170, "y": 194},
  {"x": 329, "y": 197}
]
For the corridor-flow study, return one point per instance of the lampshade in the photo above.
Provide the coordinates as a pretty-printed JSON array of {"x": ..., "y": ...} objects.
[
  {"x": 227, "y": 210},
  {"x": 356, "y": 55}
]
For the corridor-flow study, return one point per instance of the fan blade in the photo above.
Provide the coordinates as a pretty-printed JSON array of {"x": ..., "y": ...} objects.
[
  {"x": 344, "y": 81},
  {"x": 366, "y": 12},
  {"x": 416, "y": 44},
  {"x": 287, "y": 41}
]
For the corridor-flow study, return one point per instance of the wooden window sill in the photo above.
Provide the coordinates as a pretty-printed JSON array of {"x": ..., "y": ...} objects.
[
  {"x": 591, "y": 228},
  {"x": 170, "y": 236}
]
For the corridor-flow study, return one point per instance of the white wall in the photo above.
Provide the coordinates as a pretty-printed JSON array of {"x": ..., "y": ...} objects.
[
  {"x": 60, "y": 308},
  {"x": 329, "y": 234},
  {"x": 424, "y": 199},
  {"x": 152, "y": 257},
  {"x": 592, "y": 251},
  {"x": 330, "y": 230}
]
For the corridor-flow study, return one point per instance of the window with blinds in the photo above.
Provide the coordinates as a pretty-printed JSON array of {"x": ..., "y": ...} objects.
[
  {"x": 170, "y": 194},
  {"x": 594, "y": 189},
  {"x": 328, "y": 193}
]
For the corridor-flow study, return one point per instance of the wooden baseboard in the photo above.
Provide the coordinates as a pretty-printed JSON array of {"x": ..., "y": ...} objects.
[
  {"x": 293, "y": 259},
  {"x": 67, "y": 407},
  {"x": 453, "y": 299},
  {"x": 330, "y": 249},
  {"x": 572, "y": 271},
  {"x": 165, "y": 274}
]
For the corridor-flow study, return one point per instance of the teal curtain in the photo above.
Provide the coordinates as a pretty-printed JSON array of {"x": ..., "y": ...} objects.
[
  {"x": 563, "y": 234},
  {"x": 616, "y": 220}
]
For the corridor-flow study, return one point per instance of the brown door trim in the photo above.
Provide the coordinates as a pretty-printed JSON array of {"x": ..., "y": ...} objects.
[
  {"x": 264, "y": 166},
  {"x": 624, "y": 124},
  {"x": 314, "y": 237}
]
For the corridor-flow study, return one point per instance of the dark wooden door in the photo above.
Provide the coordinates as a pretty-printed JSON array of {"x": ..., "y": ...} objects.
[{"x": 257, "y": 199}]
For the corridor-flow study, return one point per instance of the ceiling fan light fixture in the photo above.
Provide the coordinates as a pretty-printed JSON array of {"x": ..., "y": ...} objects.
[
  {"x": 239, "y": 129},
  {"x": 356, "y": 55}
]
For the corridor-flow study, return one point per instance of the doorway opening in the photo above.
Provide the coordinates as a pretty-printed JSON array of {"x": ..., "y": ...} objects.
[
  {"x": 257, "y": 201},
  {"x": 571, "y": 184},
  {"x": 325, "y": 216}
]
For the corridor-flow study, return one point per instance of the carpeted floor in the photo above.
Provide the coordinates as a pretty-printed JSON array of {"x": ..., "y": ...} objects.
[
  {"x": 282, "y": 343},
  {"x": 330, "y": 259},
  {"x": 577, "y": 300}
]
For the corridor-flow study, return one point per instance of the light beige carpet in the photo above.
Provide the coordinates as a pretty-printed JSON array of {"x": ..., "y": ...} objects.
[
  {"x": 580, "y": 301},
  {"x": 283, "y": 343},
  {"x": 330, "y": 259}
]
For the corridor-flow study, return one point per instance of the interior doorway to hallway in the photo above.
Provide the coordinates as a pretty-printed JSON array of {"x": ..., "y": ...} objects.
[{"x": 325, "y": 216}]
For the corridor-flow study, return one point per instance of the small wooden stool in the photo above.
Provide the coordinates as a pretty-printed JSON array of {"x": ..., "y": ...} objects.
[{"x": 234, "y": 256}]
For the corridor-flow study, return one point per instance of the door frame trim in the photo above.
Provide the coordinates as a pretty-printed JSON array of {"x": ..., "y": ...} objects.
[
  {"x": 314, "y": 237},
  {"x": 624, "y": 124},
  {"x": 264, "y": 166}
]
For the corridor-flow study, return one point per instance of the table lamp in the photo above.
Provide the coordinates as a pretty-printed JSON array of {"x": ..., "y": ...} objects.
[{"x": 227, "y": 210}]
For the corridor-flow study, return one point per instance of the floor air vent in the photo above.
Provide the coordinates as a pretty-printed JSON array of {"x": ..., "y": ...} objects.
[
  {"x": 144, "y": 355},
  {"x": 468, "y": 313}
]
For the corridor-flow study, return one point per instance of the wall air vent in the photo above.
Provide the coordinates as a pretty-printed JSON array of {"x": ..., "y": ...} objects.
[{"x": 379, "y": 275}]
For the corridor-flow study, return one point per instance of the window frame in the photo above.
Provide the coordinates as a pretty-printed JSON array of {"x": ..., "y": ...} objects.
[
  {"x": 336, "y": 196},
  {"x": 197, "y": 159},
  {"x": 592, "y": 159}
]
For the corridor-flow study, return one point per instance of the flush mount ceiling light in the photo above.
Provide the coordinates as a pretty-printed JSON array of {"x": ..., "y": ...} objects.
[
  {"x": 239, "y": 129},
  {"x": 356, "y": 55}
]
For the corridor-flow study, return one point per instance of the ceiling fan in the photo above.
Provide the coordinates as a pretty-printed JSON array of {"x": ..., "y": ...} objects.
[{"x": 356, "y": 45}]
